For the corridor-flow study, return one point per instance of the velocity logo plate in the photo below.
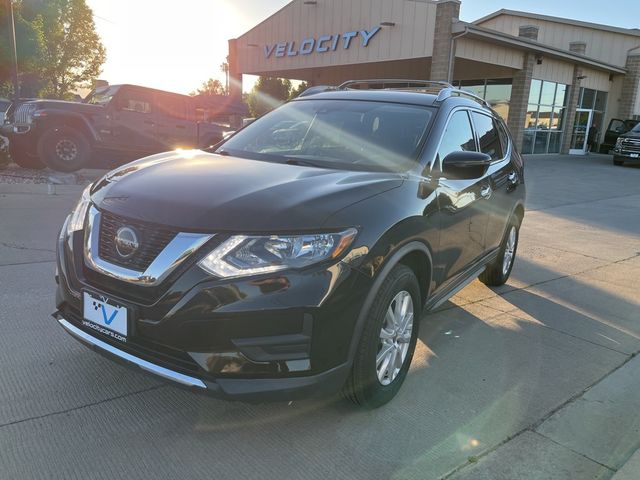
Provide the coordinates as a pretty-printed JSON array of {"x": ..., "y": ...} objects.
[{"x": 110, "y": 318}]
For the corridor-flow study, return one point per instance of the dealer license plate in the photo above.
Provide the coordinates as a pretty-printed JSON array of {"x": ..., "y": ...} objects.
[{"x": 105, "y": 316}]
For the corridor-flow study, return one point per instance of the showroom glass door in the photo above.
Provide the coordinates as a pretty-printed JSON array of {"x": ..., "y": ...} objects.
[{"x": 580, "y": 133}]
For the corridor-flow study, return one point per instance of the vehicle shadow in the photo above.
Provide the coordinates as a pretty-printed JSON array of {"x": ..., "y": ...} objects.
[{"x": 481, "y": 373}]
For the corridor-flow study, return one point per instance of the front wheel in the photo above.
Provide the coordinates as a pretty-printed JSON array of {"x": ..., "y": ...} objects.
[
  {"x": 497, "y": 273},
  {"x": 617, "y": 162},
  {"x": 388, "y": 341},
  {"x": 64, "y": 149}
]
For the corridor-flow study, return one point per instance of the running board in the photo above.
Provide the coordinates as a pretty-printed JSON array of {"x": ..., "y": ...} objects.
[{"x": 441, "y": 298}]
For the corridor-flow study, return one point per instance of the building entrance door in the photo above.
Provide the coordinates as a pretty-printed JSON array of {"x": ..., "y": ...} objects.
[{"x": 580, "y": 133}]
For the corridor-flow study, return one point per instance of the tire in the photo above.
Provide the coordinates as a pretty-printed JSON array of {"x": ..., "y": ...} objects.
[
  {"x": 370, "y": 383},
  {"x": 64, "y": 149},
  {"x": 618, "y": 163},
  {"x": 497, "y": 273},
  {"x": 23, "y": 159}
]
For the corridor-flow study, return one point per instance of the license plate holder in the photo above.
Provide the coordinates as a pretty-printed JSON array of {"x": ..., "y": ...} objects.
[{"x": 105, "y": 316}]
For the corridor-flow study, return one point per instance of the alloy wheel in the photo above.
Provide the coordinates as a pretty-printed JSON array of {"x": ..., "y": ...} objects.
[
  {"x": 395, "y": 337},
  {"x": 66, "y": 150},
  {"x": 509, "y": 250}
]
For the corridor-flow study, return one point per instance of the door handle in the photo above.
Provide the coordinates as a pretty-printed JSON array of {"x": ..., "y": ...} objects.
[
  {"x": 181, "y": 126},
  {"x": 486, "y": 192}
]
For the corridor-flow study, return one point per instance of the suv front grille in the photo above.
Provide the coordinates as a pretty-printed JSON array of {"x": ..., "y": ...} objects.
[
  {"x": 152, "y": 238},
  {"x": 23, "y": 114},
  {"x": 631, "y": 145}
]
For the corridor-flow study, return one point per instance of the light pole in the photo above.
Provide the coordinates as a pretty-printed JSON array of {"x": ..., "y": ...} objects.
[{"x": 12, "y": 46}]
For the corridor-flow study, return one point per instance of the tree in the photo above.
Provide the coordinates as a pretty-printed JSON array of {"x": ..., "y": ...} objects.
[
  {"x": 297, "y": 91},
  {"x": 213, "y": 86},
  {"x": 72, "y": 51},
  {"x": 29, "y": 49},
  {"x": 268, "y": 93}
]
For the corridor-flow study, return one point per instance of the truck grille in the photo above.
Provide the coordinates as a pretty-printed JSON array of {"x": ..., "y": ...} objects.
[
  {"x": 152, "y": 238},
  {"x": 631, "y": 145},
  {"x": 23, "y": 114}
]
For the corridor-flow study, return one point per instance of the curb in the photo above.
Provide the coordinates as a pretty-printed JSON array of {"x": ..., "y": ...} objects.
[{"x": 630, "y": 470}]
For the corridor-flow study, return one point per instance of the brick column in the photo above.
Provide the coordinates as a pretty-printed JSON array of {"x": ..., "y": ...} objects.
[
  {"x": 447, "y": 11},
  {"x": 519, "y": 103},
  {"x": 235, "y": 77},
  {"x": 630, "y": 87},
  {"x": 570, "y": 110}
]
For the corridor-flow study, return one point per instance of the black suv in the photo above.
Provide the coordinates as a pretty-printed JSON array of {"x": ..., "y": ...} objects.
[
  {"x": 292, "y": 264},
  {"x": 115, "y": 120},
  {"x": 627, "y": 148}
]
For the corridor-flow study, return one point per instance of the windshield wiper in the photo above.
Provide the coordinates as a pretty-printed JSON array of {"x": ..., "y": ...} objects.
[{"x": 301, "y": 163}]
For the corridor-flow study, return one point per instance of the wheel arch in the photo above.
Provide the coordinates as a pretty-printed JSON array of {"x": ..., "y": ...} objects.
[
  {"x": 57, "y": 119},
  {"x": 410, "y": 255}
]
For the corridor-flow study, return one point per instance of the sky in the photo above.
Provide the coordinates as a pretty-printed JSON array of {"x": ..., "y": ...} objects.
[{"x": 176, "y": 46}]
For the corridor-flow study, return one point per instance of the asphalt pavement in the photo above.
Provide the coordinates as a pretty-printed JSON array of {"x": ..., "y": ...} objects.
[{"x": 535, "y": 379}]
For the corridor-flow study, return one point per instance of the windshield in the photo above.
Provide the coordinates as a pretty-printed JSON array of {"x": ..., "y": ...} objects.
[
  {"x": 636, "y": 129},
  {"x": 101, "y": 95},
  {"x": 342, "y": 134}
]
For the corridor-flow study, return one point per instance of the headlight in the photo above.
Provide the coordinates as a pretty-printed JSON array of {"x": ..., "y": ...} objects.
[
  {"x": 619, "y": 143},
  {"x": 242, "y": 255},
  {"x": 79, "y": 213}
]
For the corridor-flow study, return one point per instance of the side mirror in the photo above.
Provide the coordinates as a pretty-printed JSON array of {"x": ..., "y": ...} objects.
[{"x": 465, "y": 165}]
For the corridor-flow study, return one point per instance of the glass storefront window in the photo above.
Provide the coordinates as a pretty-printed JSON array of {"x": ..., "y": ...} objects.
[
  {"x": 554, "y": 142},
  {"x": 534, "y": 93},
  {"x": 558, "y": 119},
  {"x": 601, "y": 101},
  {"x": 540, "y": 143},
  {"x": 548, "y": 93},
  {"x": 587, "y": 98},
  {"x": 532, "y": 117},
  {"x": 527, "y": 141},
  {"x": 561, "y": 95},
  {"x": 545, "y": 117}
]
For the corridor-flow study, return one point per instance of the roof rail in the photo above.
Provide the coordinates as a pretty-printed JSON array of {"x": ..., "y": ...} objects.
[
  {"x": 450, "y": 92},
  {"x": 316, "y": 89},
  {"x": 396, "y": 81}
]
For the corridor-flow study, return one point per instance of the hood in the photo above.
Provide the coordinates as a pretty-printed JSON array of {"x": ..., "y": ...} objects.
[
  {"x": 63, "y": 105},
  {"x": 198, "y": 191},
  {"x": 631, "y": 134}
]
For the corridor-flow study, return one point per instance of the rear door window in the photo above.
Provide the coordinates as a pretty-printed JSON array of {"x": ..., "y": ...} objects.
[{"x": 488, "y": 135}]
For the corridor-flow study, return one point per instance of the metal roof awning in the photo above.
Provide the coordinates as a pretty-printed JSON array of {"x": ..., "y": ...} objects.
[{"x": 470, "y": 30}]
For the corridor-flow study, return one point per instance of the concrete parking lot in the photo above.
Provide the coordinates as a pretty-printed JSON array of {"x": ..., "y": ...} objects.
[{"x": 496, "y": 388}]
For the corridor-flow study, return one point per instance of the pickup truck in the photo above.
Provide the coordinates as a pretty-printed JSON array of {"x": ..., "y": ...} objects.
[
  {"x": 616, "y": 128},
  {"x": 115, "y": 121}
]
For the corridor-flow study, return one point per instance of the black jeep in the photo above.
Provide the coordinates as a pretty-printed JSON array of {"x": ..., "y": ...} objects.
[{"x": 123, "y": 121}]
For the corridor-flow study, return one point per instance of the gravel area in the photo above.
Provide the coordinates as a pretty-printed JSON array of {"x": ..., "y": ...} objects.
[{"x": 15, "y": 174}]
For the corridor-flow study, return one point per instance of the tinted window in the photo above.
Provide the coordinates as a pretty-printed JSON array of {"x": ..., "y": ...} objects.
[
  {"x": 488, "y": 135},
  {"x": 172, "y": 106},
  {"x": 132, "y": 101},
  {"x": 337, "y": 134},
  {"x": 458, "y": 136}
]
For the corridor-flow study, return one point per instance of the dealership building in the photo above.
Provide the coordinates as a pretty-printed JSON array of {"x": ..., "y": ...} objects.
[{"x": 550, "y": 78}]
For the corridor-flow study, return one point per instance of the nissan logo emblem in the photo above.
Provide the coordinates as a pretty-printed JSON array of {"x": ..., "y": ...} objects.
[{"x": 127, "y": 242}]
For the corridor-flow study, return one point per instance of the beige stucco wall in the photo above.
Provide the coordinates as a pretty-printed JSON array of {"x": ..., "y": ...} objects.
[
  {"x": 608, "y": 47},
  {"x": 489, "y": 53},
  {"x": 554, "y": 71},
  {"x": 411, "y": 37}
]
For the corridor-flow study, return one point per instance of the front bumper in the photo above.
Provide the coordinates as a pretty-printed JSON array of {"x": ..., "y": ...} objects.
[
  {"x": 319, "y": 385},
  {"x": 254, "y": 339},
  {"x": 625, "y": 156}
]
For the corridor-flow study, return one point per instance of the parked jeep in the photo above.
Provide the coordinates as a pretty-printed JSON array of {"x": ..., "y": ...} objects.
[{"x": 120, "y": 120}]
